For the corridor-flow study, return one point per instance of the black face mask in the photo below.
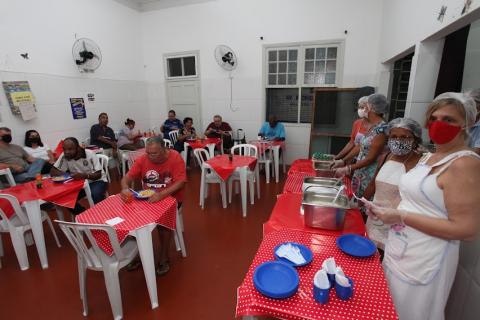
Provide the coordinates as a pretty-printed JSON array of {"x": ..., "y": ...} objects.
[
  {"x": 7, "y": 138},
  {"x": 34, "y": 140}
]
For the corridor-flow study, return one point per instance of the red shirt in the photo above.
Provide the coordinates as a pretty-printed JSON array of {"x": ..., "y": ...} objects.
[
  {"x": 358, "y": 131},
  {"x": 160, "y": 175}
]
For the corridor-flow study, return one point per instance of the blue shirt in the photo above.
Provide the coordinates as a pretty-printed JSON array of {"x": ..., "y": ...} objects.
[
  {"x": 171, "y": 125},
  {"x": 474, "y": 141},
  {"x": 273, "y": 133}
]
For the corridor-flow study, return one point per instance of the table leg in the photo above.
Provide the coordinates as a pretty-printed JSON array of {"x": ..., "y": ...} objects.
[
  {"x": 185, "y": 152},
  {"x": 243, "y": 189},
  {"x": 145, "y": 249},
  {"x": 276, "y": 160},
  {"x": 88, "y": 193},
  {"x": 35, "y": 218}
]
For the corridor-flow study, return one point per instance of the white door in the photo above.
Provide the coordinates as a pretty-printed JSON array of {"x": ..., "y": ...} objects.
[{"x": 184, "y": 98}]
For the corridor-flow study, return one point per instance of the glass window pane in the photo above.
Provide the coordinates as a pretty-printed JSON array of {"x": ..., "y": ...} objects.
[
  {"x": 282, "y": 79},
  {"x": 292, "y": 67},
  {"x": 331, "y": 66},
  {"x": 332, "y": 53},
  {"x": 320, "y": 66},
  {"x": 306, "y": 105},
  {"x": 308, "y": 78},
  {"x": 330, "y": 78},
  {"x": 320, "y": 78},
  {"x": 292, "y": 55},
  {"x": 272, "y": 67},
  {"x": 282, "y": 67},
  {"x": 272, "y": 55},
  {"x": 283, "y": 103},
  {"x": 320, "y": 53},
  {"x": 310, "y": 54},
  {"x": 272, "y": 79},
  {"x": 309, "y": 66},
  {"x": 292, "y": 78},
  {"x": 189, "y": 66},
  {"x": 282, "y": 55},
  {"x": 174, "y": 67}
]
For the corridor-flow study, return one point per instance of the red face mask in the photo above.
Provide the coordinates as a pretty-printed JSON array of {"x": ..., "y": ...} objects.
[{"x": 442, "y": 132}]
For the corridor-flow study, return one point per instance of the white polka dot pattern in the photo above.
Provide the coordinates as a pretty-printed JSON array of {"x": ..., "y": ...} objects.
[
  {"x": 294, "y": 182},
  {"x": 371, "y": 298},
  {"x": 302, "y": 166},
  {"x": 136, "y": 214}
]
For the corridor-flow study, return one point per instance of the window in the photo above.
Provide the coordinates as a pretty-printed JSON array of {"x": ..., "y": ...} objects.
[
  {"x": 181, "y": 66},
  {"x": 293, "y": 71}
]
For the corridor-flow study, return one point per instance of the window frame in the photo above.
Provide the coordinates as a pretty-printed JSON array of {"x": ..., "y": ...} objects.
[{"x": 181, "y": 55}]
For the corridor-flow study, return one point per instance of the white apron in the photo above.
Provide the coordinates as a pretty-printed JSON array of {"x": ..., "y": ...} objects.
[{"x": 420, "y": 268}]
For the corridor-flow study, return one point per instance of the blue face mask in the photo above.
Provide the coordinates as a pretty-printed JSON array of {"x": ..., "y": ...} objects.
[{"x": 400, "y": 147}]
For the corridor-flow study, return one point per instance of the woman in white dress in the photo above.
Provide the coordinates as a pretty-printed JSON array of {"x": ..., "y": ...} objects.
[
  {"x": 440, "y": 206},
  {"x": 404, "y": 138}
]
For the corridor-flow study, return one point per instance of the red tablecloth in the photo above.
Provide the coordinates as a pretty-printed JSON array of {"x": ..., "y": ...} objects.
[
  {"x": 294, "y": 182},
  {"x": 136, "y": 214},
  {"x": 371, "y": 298},
  {"x": 224, "y": 167},
  {"x": 202, "y": 143},
  {"x": 62, "y": 194},
  {"x": 286, "y": 215},
  {"x": 302, "y": 166},
  {"x": 6, "y": 208},
  {"x": 263, "y": 145}
]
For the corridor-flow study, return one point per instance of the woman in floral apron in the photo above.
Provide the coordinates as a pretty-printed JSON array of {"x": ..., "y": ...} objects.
[{"x": 439, "y": 207}]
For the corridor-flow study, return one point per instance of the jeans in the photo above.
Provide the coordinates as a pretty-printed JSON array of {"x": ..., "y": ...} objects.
[
  {"x": 97, "y": 188},
  {"x": 30, "y": 171}
]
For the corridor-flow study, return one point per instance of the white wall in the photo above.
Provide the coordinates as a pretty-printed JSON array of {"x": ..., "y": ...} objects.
[
  {"x": 239, "y": 24},
  {"x": 471, "y": 71},
  {"x": 47, "y": 31}
]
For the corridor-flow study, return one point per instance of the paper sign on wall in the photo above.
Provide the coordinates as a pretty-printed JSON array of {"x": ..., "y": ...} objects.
[
  {"x": 19, "y": 92},
  {"x": 27, "y": 110},
  {"x": 78, "y": 108}
]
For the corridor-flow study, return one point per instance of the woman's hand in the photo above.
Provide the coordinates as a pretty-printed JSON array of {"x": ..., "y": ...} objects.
[
  {"x": 387, "y": 215},
  {"x": 338, "y": 163},
  {"x": 341, "y": 172}
]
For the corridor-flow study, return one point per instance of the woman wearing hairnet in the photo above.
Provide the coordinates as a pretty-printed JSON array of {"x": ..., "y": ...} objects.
[
  {"x": 474, "y": 133},
  {"x": 371, "y": 145},
  {"x": 404, "y": 137},
  {"x": 440, "y": 205}
]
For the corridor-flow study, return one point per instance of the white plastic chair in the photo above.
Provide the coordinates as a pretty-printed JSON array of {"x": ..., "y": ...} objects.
[
  {"x": 86, "y": 141},
  {"x": 208, "y": 176},
  {"x": 17, "y": 225},
  {"x": 178, "y": 233},
  {"x": 168, "y": 143},
  {"x": 8, "y": 174},
  {"x": 252, "y": 176},
  {"x": 104, "y": 163},
  {"x": 173, "y": 135},
  {"x": 90, "y": 256},
  {"x": 265, "y": 157}
]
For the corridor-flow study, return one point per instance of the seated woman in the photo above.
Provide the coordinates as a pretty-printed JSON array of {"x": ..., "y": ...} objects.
[
  {"x": 404, "y": 137},
  {"x": 187, "y": 132},
  {"x": 39, "y": 150},
  {"x": 128, "y": 139}
]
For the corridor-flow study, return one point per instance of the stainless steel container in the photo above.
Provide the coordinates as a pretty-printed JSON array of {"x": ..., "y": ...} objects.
[
  {"x": 321, "y": 212},
  {"x": 322, "y": 169},
  {"x": 321, "y": 182}
]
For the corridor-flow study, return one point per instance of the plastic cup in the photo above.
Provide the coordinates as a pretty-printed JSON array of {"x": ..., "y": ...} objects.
[
  {"x": 344, "y": 293},
  {"x": 321, "y": 295}
]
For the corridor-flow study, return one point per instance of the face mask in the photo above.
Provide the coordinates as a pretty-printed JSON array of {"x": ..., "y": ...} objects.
[
  {"x": 442, "y": 132},
  {"x": 362, "y": 113},
  {"x": 400, "y": 147},
  {"x": 7, "y": 138},
  {"x": 35, "y": 140}
]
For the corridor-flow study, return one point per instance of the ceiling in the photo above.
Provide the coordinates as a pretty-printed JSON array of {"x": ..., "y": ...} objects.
[{"x": 151, "y": 5}]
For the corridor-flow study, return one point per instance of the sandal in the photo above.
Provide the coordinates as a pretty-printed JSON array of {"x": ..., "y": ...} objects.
[
  {"x": 162, "y": 268},
  {"x": 134, "y": 265}
]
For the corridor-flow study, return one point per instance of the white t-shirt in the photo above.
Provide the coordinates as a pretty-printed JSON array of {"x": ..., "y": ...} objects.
[
  {"x": 89, "y": 164},
  {"x": 39, "y": 152}
]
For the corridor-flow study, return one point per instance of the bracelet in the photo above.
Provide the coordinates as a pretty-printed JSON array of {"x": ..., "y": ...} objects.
[{"x": 403, "y": 215}]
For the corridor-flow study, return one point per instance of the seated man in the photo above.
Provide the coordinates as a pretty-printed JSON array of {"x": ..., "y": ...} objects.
[
  {"x": 81, "y": 164},
  {"x": 162, "y": 170},
  {"x": 220, "y": 129},
  {"x": 23, "y": 166},
  {"x": 171, "y": 124},
  {"x": 103, "y": 136},
  {"x": 272, "y": 130}
]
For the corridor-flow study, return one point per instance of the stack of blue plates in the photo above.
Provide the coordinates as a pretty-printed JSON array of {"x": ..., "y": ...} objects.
[
  {"x": 276, "y": 279},
  {"x": 356, "y": 245}
]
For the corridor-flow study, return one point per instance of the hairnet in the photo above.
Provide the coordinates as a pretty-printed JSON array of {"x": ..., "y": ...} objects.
[
  {"x": 408, "y": 124},
  {"x": 362, "y": 100},
  {"x": 378, "y": 103},
  {"x": 474, "y": 94},
  {"x": 468, "y": 103}
]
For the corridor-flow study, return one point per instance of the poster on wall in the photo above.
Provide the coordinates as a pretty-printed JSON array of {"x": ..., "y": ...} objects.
[
  {"x": 18, "y": 92},
  {"x": 78, "y": 108},
  {"x": 91, "y": 97}
]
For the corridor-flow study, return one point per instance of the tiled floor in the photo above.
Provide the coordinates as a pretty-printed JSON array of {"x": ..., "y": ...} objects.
[{"x": 220, "y": 245}]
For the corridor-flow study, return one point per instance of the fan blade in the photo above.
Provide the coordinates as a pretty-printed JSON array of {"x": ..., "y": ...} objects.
[{"x": 84, "y": 46}]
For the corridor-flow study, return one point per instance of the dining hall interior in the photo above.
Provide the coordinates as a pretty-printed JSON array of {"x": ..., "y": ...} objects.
[{"x": 221, "y": 159}]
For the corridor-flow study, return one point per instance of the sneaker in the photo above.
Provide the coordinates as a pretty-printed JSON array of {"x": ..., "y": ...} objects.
[
  {"x": 134, "y": 265},
  {"x": 162, "y": 268}
]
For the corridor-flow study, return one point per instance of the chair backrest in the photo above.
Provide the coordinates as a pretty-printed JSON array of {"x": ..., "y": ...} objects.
[
  {"x": 262, "y": 147},
  {"x": 76, "y": 233},
  {"x": 104, "y": 163},
  {"x": 86, "y": 141},
  {"x": 201, "y": 155},
  {"x": 245, "y": 150},
  {"x": 117, "y": 134},
  {"x": 173, "y": 136},
  {"x": 8, "y": 174},
  {"x": 16, "y": 207},
  {"x": 168, "y": 143}
]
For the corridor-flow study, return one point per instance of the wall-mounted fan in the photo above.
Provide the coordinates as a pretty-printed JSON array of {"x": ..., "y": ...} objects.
[
  {"x": 86, "y": 54},
  {"x": 225, "y": 57}
]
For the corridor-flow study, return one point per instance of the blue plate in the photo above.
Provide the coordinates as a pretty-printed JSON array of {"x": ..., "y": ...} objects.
[
  {"x": 356, "y": 245},
  {"x": 276, "y": 279},
  {"x": 306, "y": 253},
  {"x": 61, "y": 179}
]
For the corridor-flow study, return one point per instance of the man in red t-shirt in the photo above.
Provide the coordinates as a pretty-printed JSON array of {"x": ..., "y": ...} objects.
[{"x": 162, "y": 170}]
